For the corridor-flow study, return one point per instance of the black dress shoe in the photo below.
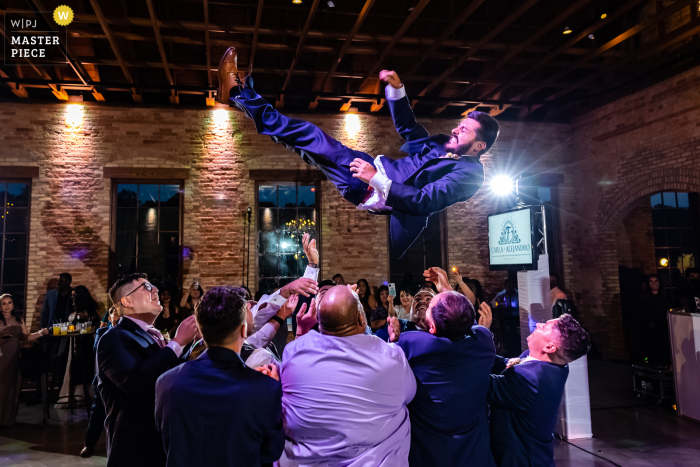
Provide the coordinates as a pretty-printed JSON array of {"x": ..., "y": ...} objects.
[
  {"x": 228, "y": 75},
  {"x": 86, "y": 452}
]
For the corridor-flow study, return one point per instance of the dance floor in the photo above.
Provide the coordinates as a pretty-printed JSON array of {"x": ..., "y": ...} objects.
[{"x": 628, "y": 432}]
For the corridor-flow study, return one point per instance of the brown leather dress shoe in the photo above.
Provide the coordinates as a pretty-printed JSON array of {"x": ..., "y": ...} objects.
[
  {"x": 228, "y": 75},
  {"x": 86, "y": 452}
]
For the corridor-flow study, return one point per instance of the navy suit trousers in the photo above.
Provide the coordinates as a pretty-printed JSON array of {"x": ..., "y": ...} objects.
[{"x": 306, "y": 139}]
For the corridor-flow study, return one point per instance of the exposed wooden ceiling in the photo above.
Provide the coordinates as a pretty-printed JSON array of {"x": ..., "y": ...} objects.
[{"x": 509, "y": 57}]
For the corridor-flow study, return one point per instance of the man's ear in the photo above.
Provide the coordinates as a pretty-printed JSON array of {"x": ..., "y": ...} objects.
[
  {"x": 480, "y": 145},
  {"x": 244, "y": 330},
  {"x": 550, "y": 348},
  {"x": 431, "y": 328}
]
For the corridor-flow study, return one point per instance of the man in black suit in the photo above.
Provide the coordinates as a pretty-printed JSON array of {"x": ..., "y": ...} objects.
[
  {"x": 452, "y": 362},
  {"x": 525, "y": 397},
  {"x": 130, "y": 358},
  {"x": 215, "y": 411}
]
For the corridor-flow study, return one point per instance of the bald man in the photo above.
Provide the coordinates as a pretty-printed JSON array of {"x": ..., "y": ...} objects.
[{"x": 345, "y": 392}]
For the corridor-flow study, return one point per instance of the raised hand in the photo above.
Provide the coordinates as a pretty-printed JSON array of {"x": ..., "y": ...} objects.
[
  {"x": 289, "y": 306},
  {"x": 394, "y": 329},
  {"x": 302, "y": 286},
  {"x": 186, "y": 332},
  {"x": 390, "y": 77},
  {"x": 310, "y": 250},
  {"x": 486, "y": 317},
  {"x": 438, "y": 277},
  {"x": 306, "y": 319},
  {"x": 362, "y": 169},
  {"x": 456, "y": 275}
]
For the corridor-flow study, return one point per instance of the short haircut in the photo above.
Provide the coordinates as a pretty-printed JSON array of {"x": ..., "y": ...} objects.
[
  {"x": 489, "y": 129},
  {"x": 221, "y": 311},
  {"x": 116, "y": 293},
  {"x": 407, "y": 289},
  {"x": 337, "y": 275},
  {"x": 66, "y": 276},
  {"x": 574, "y": 341},
  {"x": 453, "y": 315},
  {"x": 326, "y": 282}
]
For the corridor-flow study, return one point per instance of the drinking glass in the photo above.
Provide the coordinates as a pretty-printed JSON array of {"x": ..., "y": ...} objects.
[{"x": 56, "y": 329}]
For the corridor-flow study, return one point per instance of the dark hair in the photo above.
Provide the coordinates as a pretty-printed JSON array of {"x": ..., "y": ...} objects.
[
  {"x": 574, "y": 341},
  {"x": 488, "y": 128},
  {"x": 379, "y": 293},
  {"x": 690, "y": 271},
  {"x": 453, "y": 315},
  {"x": 476, "y": 287},
  {"x": 201, "y": 294},
  {"x": 171, "y": 304},
  {"x": 221, "y": 311},
  {"x": 15, "y": 312},
  {"x": 248, "y": 295},
  {"x": 126, "y": 279},
  {"x": 67, "y": 276},
  {"x": 406, "y": 288},
  {"x": 647, "y": 289},
  {"x": 339, "y": 274},
  {"x": 368, "y": 290},
  {"x": 327, "y": 282},
  {"x": 85, "y": 302}
]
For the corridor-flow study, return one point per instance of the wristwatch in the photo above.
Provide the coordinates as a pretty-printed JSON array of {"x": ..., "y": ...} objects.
[
  {"x": 313, "y": 265},
  {"x": 279, "y": 320}
]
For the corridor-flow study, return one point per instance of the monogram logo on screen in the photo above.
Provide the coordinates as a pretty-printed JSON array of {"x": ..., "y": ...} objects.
[{"x": 509, "y": 234}]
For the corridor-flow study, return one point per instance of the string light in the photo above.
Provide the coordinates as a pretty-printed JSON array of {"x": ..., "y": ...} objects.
[
  {"x": 603, "y": 16},
  {"x": 567, "y": 30},
  {"x": 296, "y": 2}
]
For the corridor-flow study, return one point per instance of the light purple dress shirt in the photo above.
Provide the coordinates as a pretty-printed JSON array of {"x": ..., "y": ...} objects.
[
  {"x": 145, "y": 326},
  {"x": 344, "y": 402}
]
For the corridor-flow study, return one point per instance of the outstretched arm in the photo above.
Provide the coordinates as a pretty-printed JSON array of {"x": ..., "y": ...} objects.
[{"x": 400, "y": 107}]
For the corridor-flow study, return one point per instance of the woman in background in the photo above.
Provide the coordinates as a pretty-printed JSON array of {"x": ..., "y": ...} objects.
[
  {"x": 85, "y": 307},
  {"x": 385, "y": 300},
  {"x": 12, "y": 331},
  {"x": 403, "y": 311},
  {"x": 168, "y": 319},
  {"x": 191, "y": 299},
  {"x": 369, "y": 303}
]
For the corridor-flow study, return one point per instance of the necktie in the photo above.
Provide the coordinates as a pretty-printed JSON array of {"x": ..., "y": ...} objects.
[{"x": 157, "y": 336}]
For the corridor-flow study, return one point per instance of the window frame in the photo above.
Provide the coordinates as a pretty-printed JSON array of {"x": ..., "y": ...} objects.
[
  {"x": 26, "y": 252},
  {"x": 256, "y": 224},
  {"x": 113, "y": 224}
]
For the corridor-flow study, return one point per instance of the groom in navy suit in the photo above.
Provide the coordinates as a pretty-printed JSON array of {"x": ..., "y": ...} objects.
[
  {"x": 525, "y": 396},
  {"x": 439, "y": 171}
]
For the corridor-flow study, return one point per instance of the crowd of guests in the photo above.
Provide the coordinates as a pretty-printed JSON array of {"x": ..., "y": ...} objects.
[
  {"x": 423, "y": 388},
  {"x": 368, "y": 380}
]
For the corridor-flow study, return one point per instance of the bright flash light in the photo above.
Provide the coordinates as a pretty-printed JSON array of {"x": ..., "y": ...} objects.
[
  {"x": 220, "y": 116},
  {"x": 663, "y": 262},
  {"x": 74, "y": 115},
  {"x": 352, "y": 124},
  {"x": 502, "y": 185}
]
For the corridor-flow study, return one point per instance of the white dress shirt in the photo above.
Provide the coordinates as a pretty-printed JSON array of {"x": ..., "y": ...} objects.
[
  {"x": 264, "y": 332},
  {"x": 146, "y": 327},
  {"x": 380, "y": 182},
  {"x": 344, "y": 402}
]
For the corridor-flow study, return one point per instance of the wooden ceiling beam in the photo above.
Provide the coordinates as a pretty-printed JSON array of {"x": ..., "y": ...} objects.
[
  {"x": 258, "y": 17},
  {"x": 567, "y": 46},
  {"x": 207, "y": 41},
  {"x": 631, "y": 32},
  {"x": 159, "y": 40},
  {"x": 415, "y": 12},
  {"x": 466, "y": 13},
  {"x": 554, "y": 22},
  {"x": 115, "y": 48},
  {"x": 525, "y": 6},
  {"x": 300, "y": 44}
]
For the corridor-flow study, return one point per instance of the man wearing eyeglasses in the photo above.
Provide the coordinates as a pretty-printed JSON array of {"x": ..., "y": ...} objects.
[
  {"x": 130, "y": 358},
  {"x": 439, "y": 171}
]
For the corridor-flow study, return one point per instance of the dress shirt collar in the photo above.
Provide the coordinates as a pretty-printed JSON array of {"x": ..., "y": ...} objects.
[{"x": 142, "y": 324}]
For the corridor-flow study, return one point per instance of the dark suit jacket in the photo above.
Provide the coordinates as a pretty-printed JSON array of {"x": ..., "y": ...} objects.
[
  {"x": 48, "y": 312},
  {"x": 525, "y": 402},
  {"x": 215, "y": 411},
  {"x": 422, "y": 182},
  {"x": 129, "y": 363},
  {"x": 449, "y": 422}
]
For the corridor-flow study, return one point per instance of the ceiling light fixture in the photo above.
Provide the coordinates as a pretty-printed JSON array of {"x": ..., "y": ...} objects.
[
  {"x": 591, "y": 36},
  {"x": 330, "y": 4},
  {"x": 296, "y": 2},
  {"x": 567, "y": 30},
  {"x": 603, "y": 16}
]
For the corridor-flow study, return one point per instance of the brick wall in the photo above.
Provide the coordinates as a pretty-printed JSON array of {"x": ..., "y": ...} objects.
[
  {"x": 635, "y": 238},
  {"x": 610, "y": 158}
]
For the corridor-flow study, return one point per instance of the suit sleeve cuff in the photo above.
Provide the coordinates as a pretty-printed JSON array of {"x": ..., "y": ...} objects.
[
  {"x": 381, "y": 183},
  {"x": 394, "y": 94},
  {"x": 277, "y": 299},
  {"x": 176, "y": 348},
  {"x": 311, "y": 273}
]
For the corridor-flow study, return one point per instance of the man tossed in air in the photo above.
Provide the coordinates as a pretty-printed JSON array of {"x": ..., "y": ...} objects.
[{"x": 439, "y": 171}]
